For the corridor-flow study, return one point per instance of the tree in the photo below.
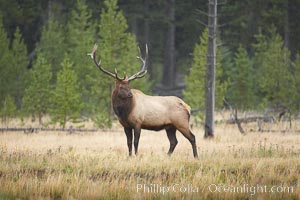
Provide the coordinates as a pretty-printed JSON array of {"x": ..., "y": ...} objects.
[
  {"x": 80, "y": 38},
  {"x": 297, "y": 81},
  {"x": 241, "y": 91},
  {"x": 211, "y": 69},
  {"x": 272, "y": 60},
  {"x": 52, "y": 45},
  {"x": 118, "y": 50},
  {"x": 13, "y": 67},
  {"x": 249, "y": 15},
  {"x": 37, "y": 96},
  {"x": 242, "y": 19},
  {"x": 66, "y": 98},
  {"x": 5, "y": 63},
  {"x": 8, "y": 110},
  {"x": 223, "y": 62},
  {"x": 194, "y": 94},
  {"x": 19, "y": 71},
  {"x": 241, "y": 94}
]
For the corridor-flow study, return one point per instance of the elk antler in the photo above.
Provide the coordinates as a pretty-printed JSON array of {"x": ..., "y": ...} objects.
[
  {"x": 98, "y": 64},
  {"x": 143, "y": 68}
]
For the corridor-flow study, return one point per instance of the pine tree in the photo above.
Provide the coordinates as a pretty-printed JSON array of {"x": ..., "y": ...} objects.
[
  {"x": 66, "y": 98},
  {"x": 5, "y": 63},
  {"x": 37, "y": 96},
  {"x": 80, "y": 38},
  {"x": 117, "y": 49},
  {"x": 221, "y": 81},
  {"x": 241, "y": 91},
  {"x": 297, "y": 81},
  {"x": 194, "y": 94},
  {"x": 52, "y": 45},
  {"x": 272, "y": 60},
  {"x": 19, "y": 71},
  {"x": 8, "y": 110}
]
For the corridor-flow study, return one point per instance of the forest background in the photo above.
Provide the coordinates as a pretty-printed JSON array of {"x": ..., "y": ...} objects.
[{"x": 45, "y": 70}]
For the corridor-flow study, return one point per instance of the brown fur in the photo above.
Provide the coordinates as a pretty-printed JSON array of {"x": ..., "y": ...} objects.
[{"x": 137, "y": 111}]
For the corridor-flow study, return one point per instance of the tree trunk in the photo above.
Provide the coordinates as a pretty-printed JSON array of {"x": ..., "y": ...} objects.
[
  {"x": 210, "y": 70},
  {"x": 169, "y": 54},
  {"x": 40, "y": 119},
  {"x": 237, "y": 121},
  {"x": 65, "y": 121}
]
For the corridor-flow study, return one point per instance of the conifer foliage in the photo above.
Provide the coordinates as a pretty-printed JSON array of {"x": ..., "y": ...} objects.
[
  {"x": 66, "y": 97},
  {"x": 241, "y": 91},
  {"x": 194, "y": 94},
  {"x": 19, "y": 72},
  {"x": 52, "y": 45},
  {"x": 273, "y": 63},
  {"x": 8, "y": 111},
  {"x": 260, "y": 68},
  {"x": 36, "y": 101},
  {"x": 297, "y": 81},
  {"x": 4, "y": 63},
  {"x": 80, "y": 38}
]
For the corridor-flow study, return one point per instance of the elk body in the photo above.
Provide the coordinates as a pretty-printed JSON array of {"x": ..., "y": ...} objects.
[{"x": 136, "y": 110}]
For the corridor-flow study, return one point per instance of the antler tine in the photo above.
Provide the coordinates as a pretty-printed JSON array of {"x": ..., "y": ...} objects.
[
  {"x": 143, "y": 68},
  {"x": 98, "y": 64},
  {"x": 120, "y": 79}
]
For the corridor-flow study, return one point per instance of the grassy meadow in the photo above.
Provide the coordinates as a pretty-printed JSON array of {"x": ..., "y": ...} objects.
[{"x": 58, "y": 165}]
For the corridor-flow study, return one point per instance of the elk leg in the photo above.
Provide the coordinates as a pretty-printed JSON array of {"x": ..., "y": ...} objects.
[
  {"x": 171, "y": 133},
  {"x": 193, "y": 142},
  {"x": 137, "y": 133},
  {"x": 191, "y": 137},
  {"x": 128, "y": 132}
]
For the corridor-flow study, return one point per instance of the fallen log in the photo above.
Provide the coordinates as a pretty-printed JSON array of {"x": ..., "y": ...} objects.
[
  {"x": 251, "y": 119},
  {"x": 36, "y": 130}
]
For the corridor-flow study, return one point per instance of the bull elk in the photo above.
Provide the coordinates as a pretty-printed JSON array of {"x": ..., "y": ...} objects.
[{"x": 136, "y": 110}]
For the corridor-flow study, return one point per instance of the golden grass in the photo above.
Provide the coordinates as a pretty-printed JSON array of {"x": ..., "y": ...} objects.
[{"x": 96, "y": 166}]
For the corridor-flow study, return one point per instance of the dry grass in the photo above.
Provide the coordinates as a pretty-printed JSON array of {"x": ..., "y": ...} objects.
[{"x": 96, "y": 165}]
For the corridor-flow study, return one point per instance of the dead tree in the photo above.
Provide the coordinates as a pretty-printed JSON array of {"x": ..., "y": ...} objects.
[{"x": 211, "y": 69}]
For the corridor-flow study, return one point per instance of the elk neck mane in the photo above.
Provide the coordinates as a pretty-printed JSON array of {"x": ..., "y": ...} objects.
[{"x": 122, "y": 106}]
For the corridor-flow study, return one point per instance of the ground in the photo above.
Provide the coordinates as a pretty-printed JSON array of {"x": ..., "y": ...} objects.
[{"x": 58, "y": 165}]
